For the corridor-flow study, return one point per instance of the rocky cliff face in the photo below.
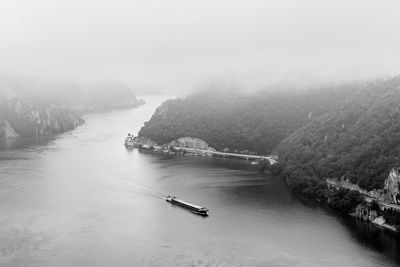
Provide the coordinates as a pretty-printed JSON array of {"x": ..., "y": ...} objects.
[
  {"x": 24, "y": 117},
  {"x": 186, "y": 142},
  {"x": 145, "y": 141},
  {"x": 189, "y": 142},
  {"x": 345, "y": 183},
  {"x": 389, "y": 194},
  {"x": 365, "y": 213},
  {"x": 392, "y": 185},
  {"x": 30, "y": 108},
  {"x": 6, "y": 131}
]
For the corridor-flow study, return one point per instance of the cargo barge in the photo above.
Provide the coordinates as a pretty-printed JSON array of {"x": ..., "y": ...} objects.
[{"x": 193, "y": 208}]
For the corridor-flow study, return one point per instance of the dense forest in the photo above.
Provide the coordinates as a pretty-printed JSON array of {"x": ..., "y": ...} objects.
[
  {"x": 360, "y": 140},
  {"x": 31, "y": 108},
  {"x": 229, "y": 119},
  {"x": 26, "y": 117},
  {"x": 350, "y": 131}
]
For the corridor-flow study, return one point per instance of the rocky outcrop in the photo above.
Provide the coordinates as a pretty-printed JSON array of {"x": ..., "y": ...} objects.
[
  {"x": 345, "y": 183},
  {"x": 365, "y": 213},
  {"x": 6, "y": 131},
  {"x": 389, "y": 194},
  {"x": 189, "y": 142},
  {"x": 30, "y": 120},
  {"x": 145, "y": 141},
  {"x": 392, "y": 185},
  {"x": 21, "y": 116},
  {"x": 182, "y": 142}
]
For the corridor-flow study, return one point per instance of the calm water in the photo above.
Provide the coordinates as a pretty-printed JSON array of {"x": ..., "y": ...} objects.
[{"x": 82, "y": 199}]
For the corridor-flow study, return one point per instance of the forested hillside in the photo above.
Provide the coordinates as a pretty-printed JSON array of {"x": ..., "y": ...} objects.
[
  {"x": 256, "y": 122},
  {"x": 25, "y": 117},
  {"x": 360, "y": 140},
  {"x": 31, "y": 108},
  {"x": 351, "y": 130}
]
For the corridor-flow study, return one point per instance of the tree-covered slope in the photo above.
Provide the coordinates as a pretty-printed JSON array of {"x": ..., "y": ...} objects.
[
  {"x": 359, "y": 140},
  {"x": 25, "y": 117},
  {"x": 29, "y": 107},
  {"x": 256, "y": 122}
]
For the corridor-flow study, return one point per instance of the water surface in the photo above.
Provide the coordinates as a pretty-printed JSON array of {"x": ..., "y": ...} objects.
[{"x": 82, "y": 199}]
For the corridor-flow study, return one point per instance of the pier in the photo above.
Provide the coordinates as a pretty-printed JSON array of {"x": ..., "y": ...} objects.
[
  {"x": 227, "y": 155},
  {"x": 131, "y": 141}
]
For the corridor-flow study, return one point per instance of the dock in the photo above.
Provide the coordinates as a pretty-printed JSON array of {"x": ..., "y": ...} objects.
[
  {"x": 227, "y": 155},
  {"x": 131, "y": 141}
]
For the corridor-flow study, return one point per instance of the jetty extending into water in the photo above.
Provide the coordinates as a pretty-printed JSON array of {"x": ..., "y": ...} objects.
[
  {"x": 226, "y": 154},
  {"x": 130, "y": 141}
]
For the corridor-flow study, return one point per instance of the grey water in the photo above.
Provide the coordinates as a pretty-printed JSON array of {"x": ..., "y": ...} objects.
[{"x": 82, "y": 199}]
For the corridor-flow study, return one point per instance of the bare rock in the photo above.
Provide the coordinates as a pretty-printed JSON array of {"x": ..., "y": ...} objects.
[
  {"x": 189, "y": 142},
  {"x": 392, "y": 184},
  {"x": 7, "y": 131},
  {"x": 145, "y": 141}
]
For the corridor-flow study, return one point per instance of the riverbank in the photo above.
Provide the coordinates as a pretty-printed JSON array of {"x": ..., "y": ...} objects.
[
  {"x": 28, "y": 110},
  {"x": 345, "y": 200},
  {"x": 375, "y": 205},
  {"x": 191, "y": 146},
  {"x": 86, "y": 186}
]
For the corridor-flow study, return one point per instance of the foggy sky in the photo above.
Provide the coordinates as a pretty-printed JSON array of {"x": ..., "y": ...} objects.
[{"x": 171, "y": 45}]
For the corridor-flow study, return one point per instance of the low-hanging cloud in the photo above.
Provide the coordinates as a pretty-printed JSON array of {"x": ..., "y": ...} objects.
[{"x": 176, "y": 45}]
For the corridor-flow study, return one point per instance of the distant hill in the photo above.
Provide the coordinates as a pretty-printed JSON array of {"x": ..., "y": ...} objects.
[
  {"x": 88, "y": 97},
  {"x": 20, "y": 116},
  {"x": 256, "y": 122},
  {"x": 80, "y": 97},
  {"x": 32, "y": 108},
  {"x": 350, "y": 131}
]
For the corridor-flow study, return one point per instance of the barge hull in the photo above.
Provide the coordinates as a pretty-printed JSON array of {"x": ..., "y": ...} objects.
[{"x": 193, "y": 208}]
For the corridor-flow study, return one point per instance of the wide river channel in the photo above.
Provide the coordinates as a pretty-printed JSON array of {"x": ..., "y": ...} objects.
[{"x": 82, "y": 199}]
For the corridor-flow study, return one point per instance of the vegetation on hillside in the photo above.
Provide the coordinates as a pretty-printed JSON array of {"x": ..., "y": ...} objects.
[
  {"x": 352, "y": 131},
  {"x": 256, "y": 122},
  {"x": 36, "y": 119},
  {"x": 32, "y": 108},
  {"x": 359, "y": 141}
]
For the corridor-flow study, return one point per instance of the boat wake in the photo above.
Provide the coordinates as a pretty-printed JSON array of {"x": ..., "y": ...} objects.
[{"x": 145, "y": 188}]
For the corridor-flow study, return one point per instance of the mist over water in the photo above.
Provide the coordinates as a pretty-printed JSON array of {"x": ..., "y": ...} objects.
[{"x": 82, "y": 199}]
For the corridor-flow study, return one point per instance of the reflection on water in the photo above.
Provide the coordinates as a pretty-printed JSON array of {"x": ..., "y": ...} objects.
[{"x": 82, "y": 199}]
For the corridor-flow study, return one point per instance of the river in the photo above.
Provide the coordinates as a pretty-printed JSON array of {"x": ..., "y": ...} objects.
[{"x": 82, "y": 199}]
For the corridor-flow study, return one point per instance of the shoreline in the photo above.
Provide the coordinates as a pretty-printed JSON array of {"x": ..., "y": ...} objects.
[{"x": 166, "y": 149}]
